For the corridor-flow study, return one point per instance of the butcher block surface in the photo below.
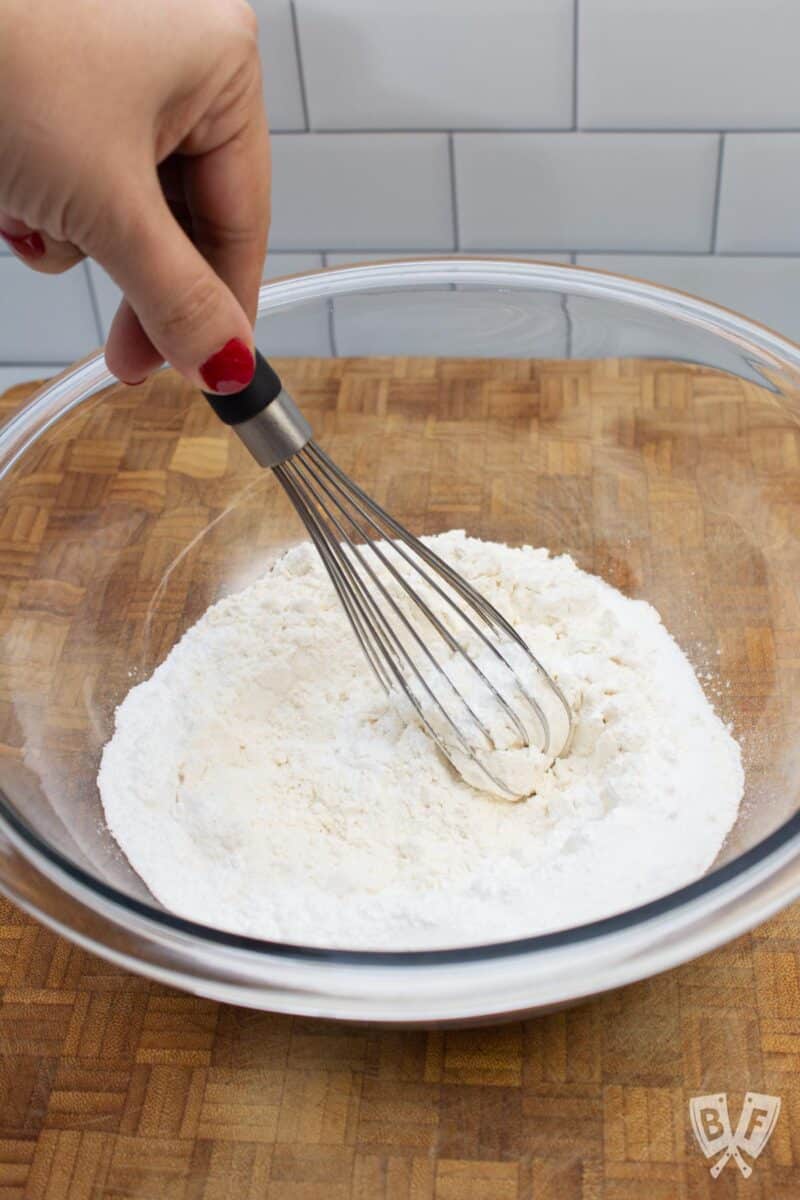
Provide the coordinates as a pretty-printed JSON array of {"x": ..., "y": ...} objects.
[{"x": 114, "y": 1086}]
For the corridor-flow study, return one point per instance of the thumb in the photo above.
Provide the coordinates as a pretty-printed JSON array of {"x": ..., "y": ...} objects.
[{"x": 188, "y": 314}]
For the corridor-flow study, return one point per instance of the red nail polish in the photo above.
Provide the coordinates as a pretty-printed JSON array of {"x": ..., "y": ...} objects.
[
  {"x": 26, "y": 245},
  {"x": 230, "y": 369}
]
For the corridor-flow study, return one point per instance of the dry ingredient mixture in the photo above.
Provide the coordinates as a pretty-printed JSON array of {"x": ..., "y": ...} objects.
[{"x": 261, "y": 782}]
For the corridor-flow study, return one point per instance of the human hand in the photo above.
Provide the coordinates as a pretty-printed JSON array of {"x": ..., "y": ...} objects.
[{"x": 136, "y": 134}]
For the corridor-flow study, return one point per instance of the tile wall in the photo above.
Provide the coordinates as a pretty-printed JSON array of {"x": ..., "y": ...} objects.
[{"x": 660, "y": 140}]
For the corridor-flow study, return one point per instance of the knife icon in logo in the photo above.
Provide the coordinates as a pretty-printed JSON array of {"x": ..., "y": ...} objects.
[{"x": 712, "y": 1128}]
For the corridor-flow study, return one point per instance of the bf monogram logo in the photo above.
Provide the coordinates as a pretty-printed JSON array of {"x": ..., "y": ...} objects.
[{"x": 712, "y": 1128}]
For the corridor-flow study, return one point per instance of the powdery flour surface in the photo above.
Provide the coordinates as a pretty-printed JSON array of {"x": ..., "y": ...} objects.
[{"x": 261, "y": 782}]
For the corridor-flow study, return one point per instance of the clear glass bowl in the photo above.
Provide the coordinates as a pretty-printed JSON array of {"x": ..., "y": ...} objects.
[{"x": 127, "y": 511}]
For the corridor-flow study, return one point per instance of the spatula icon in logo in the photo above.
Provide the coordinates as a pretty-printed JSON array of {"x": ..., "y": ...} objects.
[{"x": 712, "y": 1128}]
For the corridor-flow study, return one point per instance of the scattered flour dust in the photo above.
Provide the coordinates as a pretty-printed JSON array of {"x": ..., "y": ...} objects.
[{"x": 261, "y": 782}]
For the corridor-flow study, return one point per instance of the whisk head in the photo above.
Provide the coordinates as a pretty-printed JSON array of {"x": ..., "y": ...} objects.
[{"x": 428, "y": 635}]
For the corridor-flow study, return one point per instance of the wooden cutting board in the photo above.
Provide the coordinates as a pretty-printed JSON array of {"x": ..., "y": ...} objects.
[{"x": 112, "y": 1086}]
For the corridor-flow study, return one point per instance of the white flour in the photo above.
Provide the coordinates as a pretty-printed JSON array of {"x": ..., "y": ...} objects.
[{"x": 260, "y": 782}]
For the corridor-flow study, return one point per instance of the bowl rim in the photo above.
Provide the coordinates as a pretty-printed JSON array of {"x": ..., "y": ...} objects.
[{"x": 78, "y": 383}]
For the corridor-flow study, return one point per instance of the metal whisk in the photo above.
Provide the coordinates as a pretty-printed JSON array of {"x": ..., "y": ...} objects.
[{"x": 428, "y": 635}]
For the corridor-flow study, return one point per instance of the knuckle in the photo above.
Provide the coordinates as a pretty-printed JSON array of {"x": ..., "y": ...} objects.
[
  {"x": 231, "y": 233},
  {"x": 189, "y": 311}
]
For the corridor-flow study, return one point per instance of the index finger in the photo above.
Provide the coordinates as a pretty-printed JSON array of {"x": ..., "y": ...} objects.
[{"x": 228, "y": 193}]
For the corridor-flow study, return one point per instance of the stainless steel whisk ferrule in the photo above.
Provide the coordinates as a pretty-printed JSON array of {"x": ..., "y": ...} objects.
[{"x": 401, "y": 599}]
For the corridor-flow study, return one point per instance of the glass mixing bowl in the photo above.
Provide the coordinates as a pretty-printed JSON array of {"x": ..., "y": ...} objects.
[{"x": 651, "y": 435}]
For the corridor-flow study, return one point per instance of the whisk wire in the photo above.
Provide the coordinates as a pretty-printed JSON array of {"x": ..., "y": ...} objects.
[
  {"x": 478, "y": 603},
  {"x": 373, "y": 631},
  {"x": 329, "y": 559},
  {"x": 452, "y": 642},
  {"x": 379, "y": 618}
]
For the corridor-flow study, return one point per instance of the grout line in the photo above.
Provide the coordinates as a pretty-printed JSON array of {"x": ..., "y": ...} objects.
[
  {"x": 622, "y": 130},
  {"x": 650, "y": 253},
  {"x": 568, "y": 321},
  {"x": 332, "y": 330},
  {"x": 683, "y": 129},
  {"x": 360, "y": 250},
  {"x": 376, "y": 250},
  {"x": 432, "y": 131},
  {"x": 717, "y": 193},
  {"x": 438, "y": 251},
  {"x": 511, "y": 251},
  {"x": 95, "y": 305},
  {"x": 26, "y": 364},
  {"x": 777, "y": 254},
  {"x": 451, "y": 155},
  {"x": 576, "y": 16},
  {"x": 639, "y": 251},
  {"x": 300, "y": 72},
  {"x": 329, "y": 312},
  {"x": 780, "y": 254}
]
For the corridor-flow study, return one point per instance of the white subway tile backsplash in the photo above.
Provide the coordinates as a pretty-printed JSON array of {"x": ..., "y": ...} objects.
[
  {"x": 279, "y": 64},
  {"x": 759, "y": 195},
  {"x": 11, "y": 376},
  {"x": 356, "y": 258},
  {"x": 107, "y": 295},
  {"x": 351, "y": 259},
  {"x": 766, "y": 289},
  {"x": 279, "y": 265},
  {"x": 450, "y": 323},
  {"x": 44, "y": 318},
  {"x": 689, "y": 64},
  {"x": 302, "y": 330},
  {"x": 536, "y": 327},
  {"x": 358, "y": 191},
  {"x": 435, "y": 323},
  {"x": 586, "y": 191},
  {"x": 411, "y": 64}
]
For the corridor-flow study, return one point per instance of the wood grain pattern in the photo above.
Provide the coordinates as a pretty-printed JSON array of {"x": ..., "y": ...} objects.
[{"x": 112, "y": 1086}]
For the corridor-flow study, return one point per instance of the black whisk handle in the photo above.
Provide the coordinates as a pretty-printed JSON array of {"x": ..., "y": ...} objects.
[{"x": 264, "y": 387}]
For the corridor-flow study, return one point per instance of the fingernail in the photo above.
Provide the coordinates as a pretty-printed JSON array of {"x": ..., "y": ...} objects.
[
  {"x": 133, "y": 382},
  {"x": 26, "y": 245},
  {"x": 230, "y": 369}
]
